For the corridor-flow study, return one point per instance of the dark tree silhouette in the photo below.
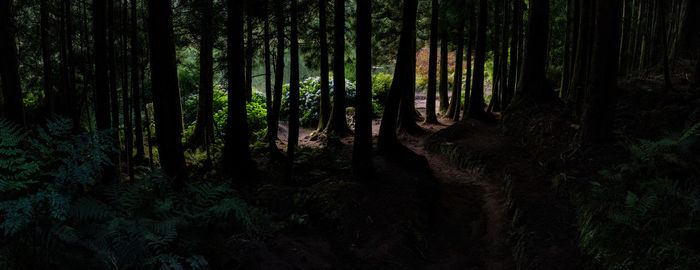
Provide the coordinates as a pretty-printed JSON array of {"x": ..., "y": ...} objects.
[
  {"x": 166, "y": 92},
  {"x": 456, "y": 98},
  {"x": 430, "y": 115},
  {"x": 337, "y": 122},
  {"x": 325, "y": 100},
  {"x": 533, "y": 84},
  {"x": 135, "y": 87},
  {"x": 46, "y": 55},
  {"x": 273, "y": 120},
  {"x": 11, "y": 88},
  {"x": 362, "y": 147},
  {"x": 236, "y": 150},
  {"x": 444, "y": 101},
  {"x": 476, "y": 100},
  {"x": 203, "y": 134},
  {"x": 293, "y": 137},
  {"x": 101, "y": 84}
]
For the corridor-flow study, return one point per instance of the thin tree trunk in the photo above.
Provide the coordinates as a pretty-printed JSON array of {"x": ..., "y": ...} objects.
[
  {"x": 509, "y": 91},
  {"x": 362, "y": 146},
  {"x": 602, "y": 88},
  {"x": 268, "y": 72},
  {"x": 662, "y": 28},
  {"x": 504, "y": 98},
  {"x": 279, "y": 75},
  {"x": 166, "y": 92},
  {"x": 533, "y": 82},
  {"x": 46, "y": 55},
  {"x": 470, "y": 50},
  {"x": 444, "y": 99},
  {"x": 496, "y": 68},
  {"x": 249, "y": 52},
  {"x": 136, "y": 92},
  {"x": 430, "y": 116},
  {"x": 337, "y": 123},
  {"x": 293, "y": 139},
  {"x": 476, "y": 101},
  {"x": 126, "y": 108},
  {"x": 11, "y": 88},
  {"x": 325, "y": 105},
  {"x": 456, "y": 98},
  {"x": 204, "y": 128}
]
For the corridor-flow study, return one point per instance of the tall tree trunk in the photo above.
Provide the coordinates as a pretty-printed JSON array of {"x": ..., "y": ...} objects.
[
  {"x": 136, "y": 92},
  {"x": 402, "y": 73},
  {"x": 272, "y": 126},
  {"x": 204, "y": 129},
  {"x": 101, "y": 83},
  {"x": 573, "y": 96},
  {"x": 496, "y": 68},
  {"x": 444, "y": 100},
  {"x": 509, "y": 90},
  {"x": 601, "y": 92},
  {"x": 456, "y": 99},
  {"x": 249, "y": 52},
  {"x": 407, "y": 110},
  {"x": 46, "y": 56},
  {"x": 476, "y": 101},
  {"x": 533, "y": 82},
  {"x": 11, "y": 87},
  {"x": 293, "y": 139},
  {"x": 430, "y": 116},
  {"x": 470, "y": 50},
  {"x": 126, "y": 108},
  {"x": 504, "y": 97},
  {"x": 236, "y": 150},
  {"x": 667, "y": 74},
  {"x": 362, "y": 146},
  {"x": 112, "y": 66},
  {"x": 337, "y": 122},
  {"x": 325, "y": 105},
  {"x": 268, "y": 72},
  {"x": 166, "y": 92}
]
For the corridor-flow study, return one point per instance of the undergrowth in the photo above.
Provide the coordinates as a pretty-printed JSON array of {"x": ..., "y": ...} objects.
[
  {"x": 643, "y": 214},
  {"x": 55, "y": 214}
]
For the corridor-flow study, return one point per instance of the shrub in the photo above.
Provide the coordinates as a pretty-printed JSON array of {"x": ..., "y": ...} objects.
[{"x": 309, "y": 99}]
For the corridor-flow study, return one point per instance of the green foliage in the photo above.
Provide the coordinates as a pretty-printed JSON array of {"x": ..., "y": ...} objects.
[
  {"x": 643, "y": 214},
  {"x": 381, "y": 84},
  {"x": 309, "y": 99},
  {"x": 53, "y": 214}
]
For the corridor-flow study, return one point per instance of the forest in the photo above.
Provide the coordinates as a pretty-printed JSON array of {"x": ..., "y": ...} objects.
[{"x": 349, "y": 134}]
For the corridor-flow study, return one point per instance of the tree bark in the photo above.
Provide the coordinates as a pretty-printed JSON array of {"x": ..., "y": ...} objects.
[
  {"x": 128, "y": 131},
  {"x": 273, "y": 121},
  {"x": 456, "y": 99},
  {"x": 430, "y": 116},
  {"x": 337, "y": 123},
  {"x": 533, "y": 83},
  {"x": 509, "y": 91},
  {"x": 293, "y": 138},
  {"x": 402, "y": 74},
  {"x": 249, "y": 52},
  {"x": 236, "y": 150},
  {"x": 11, "y": 87},
  {"x": 470, "y": 49},
  {"x": 444, "y": 99},
  {"x": 204, "y": 129},
  {"x": 268, "y": 72},
  {"x": 407, "y": 110},
  {"x": 601, "y": 92},
  {"x": 476, "y": 101},
  {"x": 135, "y": 90},
  {"x": 101, "y": 84},
  {"x": 362, "y": 146},
  {"x": 325, "y": 105},
  {"x": 46, "y": 56},
  {"x": 496, "y": 71},
  {"x": 166, "y": 92}
]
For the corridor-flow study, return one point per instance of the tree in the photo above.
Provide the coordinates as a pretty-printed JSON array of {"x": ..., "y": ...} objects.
[
  {"x": 11, "y": 88},
  {"x": 470, "y": 49},
  {"x": 601, "y": 92},
  {"x": 249, "y": 52},
  {"x": 362, "y": 146},
  {"x": 166, "y": 92},
  {"x": 337, "y": 122},
  {"x": 203, "y": 134},
  {"x": 101, "y": 84},
  {"x": 662, "y": 13},
  {"x": 268, "y": 74},
  {"x": 444, "y": 42},
  {"x": 236, "y": 150},
  {"x": 128, "y": 132},
  {"x": 402, "y": 74},
  {"x": 325, "y": 103},
  {"x": 46, "y": 55},
  {"x": 293, "y": 138},
  {"x": 408, "y": 115},
  {"x": 430, "y": 116},
  {"x": 533, "y": 83},
  {"x": 456, "y": 99},
  {"x": 135, "y": 90},
  {"x": 272, "y": 123},
  {"x": 476, "y": 100}
]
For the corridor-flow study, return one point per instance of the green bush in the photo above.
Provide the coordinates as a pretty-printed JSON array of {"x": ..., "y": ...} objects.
[
  {"x": 309, "y": 99},
  {"x": 643, "y": 214},
  {"x": 381, "y": 83}
]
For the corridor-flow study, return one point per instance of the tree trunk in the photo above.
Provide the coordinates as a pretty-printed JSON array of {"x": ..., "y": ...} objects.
[
  {"x": 476, "y": 101},
  {"x": 509, "y": 91},
  {"x": 667, "y": 74},
  {"x": 11, "y": 88},
  {"x": 236, "y": 150},
  {"x": 533, "y": 83},
  {"x": 470, "y": 50},
  {"x": 496, "y": 71},
  {"x": 444, "y": 99},
  {"x": 126, "y": 108},
  {"x": 204, "y": 129},
  {"x": 325, "y": 106},
  {"x": 273, "y": 121},
  {"x": 601, "y": 93},
  {"x": 293, "y": 139},
  {"x": 430, "y": 116},
  {"x": 407, "y": 110},
  {"x": 337, "y": 123},
  {"x": 166, "y": 92},
  {"x": 456, "y": 99},
  {"x": 101, "y": 84},
  {"x": 249, "y": 52},
  {"x": 573, "y": 96},
  {"x": 268, "y": 72},
  {"x": 136, "y": 92},
  {"x": 402, "y": 73},
  {"x": 504, "y": 97},
  {"x": 362, "y": 146},
  {"x": 112, "y": 67},
  {"x": 46, "y": 56}
]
